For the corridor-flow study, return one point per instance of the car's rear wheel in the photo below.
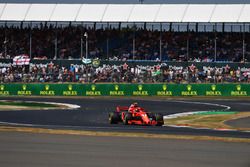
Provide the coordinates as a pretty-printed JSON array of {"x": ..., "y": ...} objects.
[
  {"x": 113, "y": 118},
  {"x": 127, "y": 117},
  {"x": 151, "y": 116},
  {"x": 159, "y": 119}
]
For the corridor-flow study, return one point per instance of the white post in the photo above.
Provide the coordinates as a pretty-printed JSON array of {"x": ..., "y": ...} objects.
[
  {"x": 160, "y": 42},
  {"x": 215, "y": 43},
  {"x": 86, "y": 49},
  {"x": 30, "y": 42},
  {"x": 107, "y": 48},
  {"x": 187, "y": 53},
  {"x": 56, "y": 43},
  {"x": 187, "y": 43},
  {"x": 81, "y": 47},
  {"x": 134, "y": 45},
  {"x": 244, "y": 46},
  {"x": 215, "y": 49},
  {"x": 5, "y": 40}
]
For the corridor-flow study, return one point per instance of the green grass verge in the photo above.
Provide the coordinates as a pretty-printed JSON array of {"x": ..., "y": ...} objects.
[{"x": 211, "y": 120}]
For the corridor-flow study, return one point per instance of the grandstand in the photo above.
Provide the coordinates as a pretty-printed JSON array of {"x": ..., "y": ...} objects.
[{"x": 181, "y": 42}]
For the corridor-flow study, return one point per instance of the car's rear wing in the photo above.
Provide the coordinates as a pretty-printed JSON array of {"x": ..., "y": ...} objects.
[{"x": 122, "y": 108}]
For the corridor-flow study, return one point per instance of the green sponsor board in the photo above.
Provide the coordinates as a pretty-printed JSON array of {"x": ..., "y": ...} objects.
[
  {"x": 117, "y": 90},
  {"x": 24, "y": 89},
  {"x": 140, "y": 90},
  {"x": 239, "y": 90},
  {"x": 105, "y": 90},
  {"x": 94, "y": 90},
  {"x": 47, "y": 90},
  {"x": 70, "y": 90},
  {"x": 164, "y": 90},
  {"x": 125, "y": 89},
  {"x": 214, "y": 90},
  {"x": 4, "y": 90},
  {"x": 189, "y": 90}
]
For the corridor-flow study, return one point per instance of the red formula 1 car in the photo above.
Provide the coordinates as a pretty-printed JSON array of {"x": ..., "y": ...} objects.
[{"x": 136, "y": 116}]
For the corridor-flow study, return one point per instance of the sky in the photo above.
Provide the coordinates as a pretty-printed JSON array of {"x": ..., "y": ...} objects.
[{"x": 130, "y": 1}]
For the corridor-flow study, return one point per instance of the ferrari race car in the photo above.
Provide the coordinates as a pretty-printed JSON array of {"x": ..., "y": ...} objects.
[{"x": 136, "y": 116}]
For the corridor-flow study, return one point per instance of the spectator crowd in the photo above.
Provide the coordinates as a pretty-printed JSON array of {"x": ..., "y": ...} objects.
[
  {"x": 49, "y": 42},
  {"x": 124, "y": 73},
  {"x": 123, "y": 44}
]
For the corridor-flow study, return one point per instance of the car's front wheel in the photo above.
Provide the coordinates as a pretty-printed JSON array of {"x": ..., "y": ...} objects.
[
  {"x": 113, "y": 118},
  {"x": 159, "y": 119},
  {"x": 127, "y": 117}
]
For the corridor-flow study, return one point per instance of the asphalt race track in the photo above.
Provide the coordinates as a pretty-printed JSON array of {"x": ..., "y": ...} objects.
[
  {"x": 43, "y": 150},
  {"x": 240, "y": 123},
  {"x": 46, "y": 150},
  {"x": 93, "y": 114}
]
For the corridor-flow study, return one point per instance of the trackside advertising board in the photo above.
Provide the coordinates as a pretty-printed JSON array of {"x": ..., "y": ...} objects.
[{"x": 125, "y": 89}]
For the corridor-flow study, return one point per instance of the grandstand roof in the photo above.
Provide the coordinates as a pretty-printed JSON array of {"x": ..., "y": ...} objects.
[{"x": 232, "y": 13}]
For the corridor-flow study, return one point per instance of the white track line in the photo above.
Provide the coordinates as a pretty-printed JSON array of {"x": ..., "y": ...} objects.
[
  {"x": 193, "y": 112},
  {"x": 69, "y": 106}
]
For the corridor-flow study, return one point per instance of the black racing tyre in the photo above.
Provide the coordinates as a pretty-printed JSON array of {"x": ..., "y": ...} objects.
[
  {"x": 127, "y": 117},
  {"x": 159, "y": 119},
  {"x": 151, "y": 116},
  {"x": 114, "y": 118}
]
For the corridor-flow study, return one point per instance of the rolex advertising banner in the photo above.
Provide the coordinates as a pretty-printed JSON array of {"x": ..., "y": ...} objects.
[{"x": 125, "y": 89}]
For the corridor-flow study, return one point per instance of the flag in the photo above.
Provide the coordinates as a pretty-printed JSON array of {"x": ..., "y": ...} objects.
[
  {"x": 21, "y": 60},
  {"x": 86, "y": 61}
]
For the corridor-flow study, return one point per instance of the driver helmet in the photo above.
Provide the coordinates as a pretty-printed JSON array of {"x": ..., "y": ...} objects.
[{"x": 135, "y": 104}]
